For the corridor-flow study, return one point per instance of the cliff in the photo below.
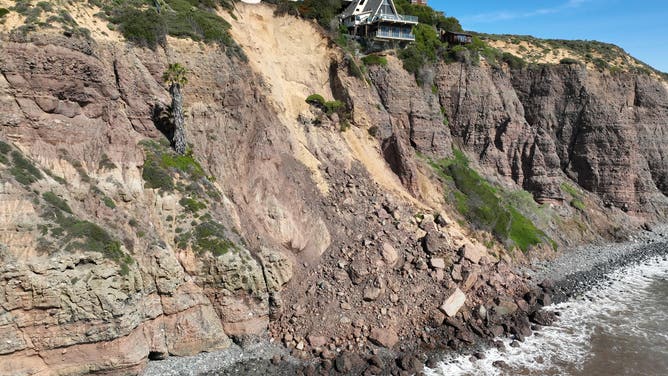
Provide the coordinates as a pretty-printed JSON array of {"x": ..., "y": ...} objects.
[{"x": 322, "y": 230}]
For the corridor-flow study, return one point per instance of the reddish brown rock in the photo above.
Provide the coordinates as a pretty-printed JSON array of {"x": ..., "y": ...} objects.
[{"x": 385, "y": 337}]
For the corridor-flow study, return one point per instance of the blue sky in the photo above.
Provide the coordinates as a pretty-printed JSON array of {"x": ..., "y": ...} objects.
[{"x": 640, "y": 26}]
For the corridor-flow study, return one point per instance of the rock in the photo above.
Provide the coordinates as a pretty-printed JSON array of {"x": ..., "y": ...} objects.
[
  {"x": 437, "y": 263},
  {"x": 500, "y": 364},
  {"x": 505, "y": 307},
  {"x": 473, "y": 252},
  {"x": 410, "y": 363},
  {"x": 376, "y": 361},
  {"x": 456, "y": 273},
  {"x": 542, "y": 317},
  {"x": 465, "y": 336},
  {"x": 436, "y": 319},
  {"x": 547, "y": 284},
  {"x": 390, "y": 255},
  {"x": 371, "y": 293},
  {"x": 358, "y": 272},
  {"x": 441, "y": 220},
  {"x": 316, "y": 341},
  {"x": 545, "y": 299},
  {"x": 346, "y": 306},
  {"x": 482, "y": 312},
  {"x": 470, "y": 279},
  {"x": 496, "y": 330},
  {"x": 344, "y": 363},
  {"x": 433, "y": 243},
  {"x": 385, "y": 337},
  {"x": 453, "y": 303},
  {"x": 427, "y": 223},
  {"x": 522, "y": 305}
]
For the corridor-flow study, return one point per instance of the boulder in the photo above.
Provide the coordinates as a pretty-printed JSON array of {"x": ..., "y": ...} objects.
[
  {"x": 389, "y": 253},
  {"x": 316, "y": 341},
  {"x": 454, "y": 303},
  {"x": 385, "y": 337},
  {"x": 473, "y": 252},
  {"x": 470, "y": 279},
  {"x": 437, "y": 263},
  {"x": 371, "y": 293},
  {"x": 505, "y": 307},
  {"x": 456, "y": 273}
]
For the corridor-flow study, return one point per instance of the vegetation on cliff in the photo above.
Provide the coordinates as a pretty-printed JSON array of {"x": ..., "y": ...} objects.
[
  {"x": 594, "y": 54},
  {"x": 194, "y": 226},
  {"x": 486, "y": 206}
]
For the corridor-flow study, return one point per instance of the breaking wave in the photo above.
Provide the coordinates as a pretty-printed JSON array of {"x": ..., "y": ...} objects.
[{"x": 620, "y": 327}]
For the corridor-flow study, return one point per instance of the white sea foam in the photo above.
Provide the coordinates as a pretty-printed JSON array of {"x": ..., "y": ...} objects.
[{"x": 562, "y": 349}]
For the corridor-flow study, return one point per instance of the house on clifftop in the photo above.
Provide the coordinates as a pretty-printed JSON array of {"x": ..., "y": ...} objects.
[{"x": 378, "y": 22}]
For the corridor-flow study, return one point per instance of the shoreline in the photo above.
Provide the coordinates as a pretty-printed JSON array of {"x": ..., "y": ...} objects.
[
  {"x": 572, "y": 273},
  {"x": 583, "y": 268}
]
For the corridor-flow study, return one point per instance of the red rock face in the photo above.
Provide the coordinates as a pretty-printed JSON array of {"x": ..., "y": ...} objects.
[{"x": 538, "y": 126}]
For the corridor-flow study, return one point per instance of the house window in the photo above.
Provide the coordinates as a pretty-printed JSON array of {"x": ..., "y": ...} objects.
[{"x": 386, "y": 8}]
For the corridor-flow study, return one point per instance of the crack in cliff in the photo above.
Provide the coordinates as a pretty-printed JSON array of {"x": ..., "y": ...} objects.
[{"x": 117, "y": 77}]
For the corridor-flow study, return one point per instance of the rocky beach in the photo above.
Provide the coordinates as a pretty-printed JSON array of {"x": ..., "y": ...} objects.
[{"x": 570, "y": 276}]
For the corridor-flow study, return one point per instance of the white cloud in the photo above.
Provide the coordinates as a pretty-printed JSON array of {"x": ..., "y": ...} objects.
[{"x": 511, "y": 15}]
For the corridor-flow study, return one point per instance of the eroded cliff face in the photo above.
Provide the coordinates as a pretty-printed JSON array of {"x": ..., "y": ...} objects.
[
  {"x": 287, "y": 226},
  {"x": 541, "y": 126},
  {"x": 78, "y": 116}
]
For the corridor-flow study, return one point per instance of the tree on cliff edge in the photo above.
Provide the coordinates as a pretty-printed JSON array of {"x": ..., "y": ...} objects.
[{"x": 175, "y": 77}]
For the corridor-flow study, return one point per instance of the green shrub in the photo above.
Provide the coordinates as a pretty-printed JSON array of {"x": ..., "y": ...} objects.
[
  {"x": 183, "y": 163},
  {"x": 316, "y": 99},
  {"x": 3, "y": 12},
  {"x": 161, "y": 162},
  {"x": 375, "y": 60},
  {"x": 568, "y": 61},
  {"x": 423, "y": 51},
  {"x": 209, "y": 236},
  {"x": 109, "y": 202},
  {"x": 56, "y": 201},
  {"x": 23, "y": 170},
  {"x": 571, "y": 190},
  {"x": 144, "y": 27},
  {"x": 192, "y": 205},
  {"x": 514, "y": 62},
  {"x": 333, "y": 106},
  {"x": 601, "y": 64},
  {"x": 578, "y": 204},
  {"x": 4, "y": 148},
  {"x": 195, "y": 19},
  {"x": 45, "y": 6},
  {"x": 156, "y": 177},
  {"x": 106, "y": 163},
  {"x": 87, "y": 236}
]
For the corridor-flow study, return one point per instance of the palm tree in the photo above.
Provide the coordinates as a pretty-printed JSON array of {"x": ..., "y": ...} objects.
[{"x": 175, "y": 77}]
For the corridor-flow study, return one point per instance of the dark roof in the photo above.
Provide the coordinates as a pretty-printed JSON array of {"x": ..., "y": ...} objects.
[
  {"x": 369, "y": 6},
  {"x": 459, "y": 33}
]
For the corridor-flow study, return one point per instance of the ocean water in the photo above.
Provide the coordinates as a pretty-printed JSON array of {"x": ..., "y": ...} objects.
[{"x": 620, "y": 327}]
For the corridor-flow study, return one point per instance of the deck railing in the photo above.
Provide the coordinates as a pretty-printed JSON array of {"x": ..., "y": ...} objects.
[
  {"x": 395, "y": 34},
  {"x": 397, "y": 17}
]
